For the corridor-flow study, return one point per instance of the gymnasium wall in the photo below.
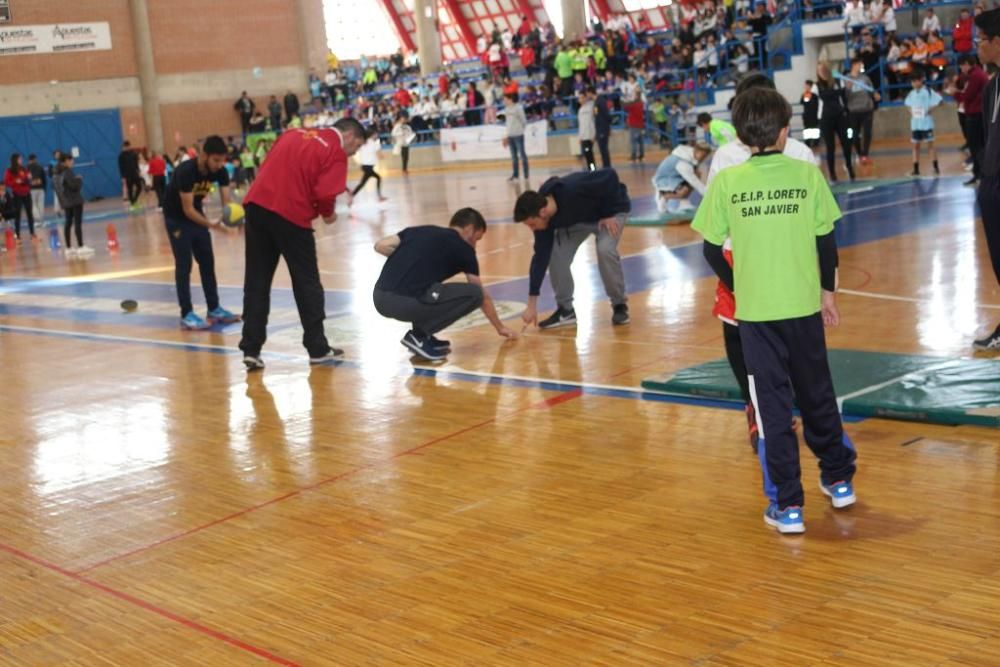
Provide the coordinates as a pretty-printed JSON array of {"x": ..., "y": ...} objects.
[{"x": 204, "y": 54}]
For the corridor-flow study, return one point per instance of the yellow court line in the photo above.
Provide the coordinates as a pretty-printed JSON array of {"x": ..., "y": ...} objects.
[{"x": 97, "y": 277}]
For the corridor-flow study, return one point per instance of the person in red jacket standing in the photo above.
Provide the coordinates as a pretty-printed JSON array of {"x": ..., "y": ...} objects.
[
  {"x": 970, "y": 97},
  {"x": 961, "y": 34},
  {"x": 18, "y": 181},
  {"x": 636, "y": 122},
  {"x": 158, "y": 172},
  {"x": 304, "y": 173}
]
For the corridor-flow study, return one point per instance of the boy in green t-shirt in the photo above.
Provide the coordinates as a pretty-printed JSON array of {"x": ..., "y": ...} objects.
[
  {"x": 719, "y": 131},
  {"x": 779, "y": 214}
]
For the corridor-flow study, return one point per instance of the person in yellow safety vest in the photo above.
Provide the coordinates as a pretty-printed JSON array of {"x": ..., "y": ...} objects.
[
  {"x": 579, "y": 59},
  {"x": 564, "y": 70},
  {"x": 370, "y": 78},
  {"x": 600, "y": 59}
]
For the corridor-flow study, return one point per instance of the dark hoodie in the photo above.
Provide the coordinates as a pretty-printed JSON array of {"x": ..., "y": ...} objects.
[
  {"x": 68, "y": 186},
  {"x": 582, "y": 197}
]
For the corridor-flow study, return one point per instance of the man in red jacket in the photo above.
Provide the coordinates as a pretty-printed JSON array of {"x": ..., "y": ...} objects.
[
  {"x": 961, "y": 34},
  {"x": 971, "y": 99},
  {"x": 304, "y": 173}
]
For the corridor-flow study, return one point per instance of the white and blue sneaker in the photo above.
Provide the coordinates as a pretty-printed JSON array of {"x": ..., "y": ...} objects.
[
  {"x": 192, "y": 322},
  {"x": 841, "y": 494},
  {"x": 787, "y": 521},
  {"x": 222, "y": 316},
  {"x": 333, "y": 354}
]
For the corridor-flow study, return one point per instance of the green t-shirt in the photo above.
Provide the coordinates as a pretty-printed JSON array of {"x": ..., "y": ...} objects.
[
  {"x": 722, "y": 132},
  {"x": 564, "y": 65},
  {"x": 772, "y": 207}
]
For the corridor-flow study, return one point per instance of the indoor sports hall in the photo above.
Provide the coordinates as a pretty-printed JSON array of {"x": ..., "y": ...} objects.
[{"x": 574, "y": 495}]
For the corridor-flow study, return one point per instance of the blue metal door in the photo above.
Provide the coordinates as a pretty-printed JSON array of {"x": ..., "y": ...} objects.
[{"x": 96, "y": 137}]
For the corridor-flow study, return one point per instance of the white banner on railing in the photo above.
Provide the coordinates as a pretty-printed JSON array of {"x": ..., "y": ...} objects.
[
  {"x": 486, "y": 142},
  {"x": 54, "y": 38}
]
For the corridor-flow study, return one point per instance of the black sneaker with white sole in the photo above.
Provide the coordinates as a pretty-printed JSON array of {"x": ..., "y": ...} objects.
[
  {"x": 439, "y": 343},
  {"x": 253, "y": 363},
  {"x": 620, "y": 315},
  {"x": 560, "y": 318},
  {"x": 991, "y": 342},
  {"x": 423, "y": 346},
  {"x": 332, "y": 354}
]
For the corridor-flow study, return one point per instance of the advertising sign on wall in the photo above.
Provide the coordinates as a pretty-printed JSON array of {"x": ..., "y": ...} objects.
[{"x": 54, "y": 38}]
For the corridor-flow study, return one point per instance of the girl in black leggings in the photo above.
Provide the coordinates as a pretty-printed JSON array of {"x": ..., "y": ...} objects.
[
  {"x": 368, "y": 157},
  {"x": 833, "y": 120}
]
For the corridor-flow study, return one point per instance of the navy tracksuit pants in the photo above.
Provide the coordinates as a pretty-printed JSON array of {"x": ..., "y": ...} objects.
[{"x": 786, "y": 359}]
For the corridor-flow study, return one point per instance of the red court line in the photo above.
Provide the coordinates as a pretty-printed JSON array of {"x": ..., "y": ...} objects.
[
  {"x": 323, "y": 482},
  {"x": 148, "y": 606}
]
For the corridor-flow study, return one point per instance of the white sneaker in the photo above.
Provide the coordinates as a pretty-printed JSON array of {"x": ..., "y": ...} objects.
[
  {"x": 85, "y": 250},
  {"x": 70, "y": 252},
  {"x": 685, "y": 206},
  {"x": 661, "y": 203}
]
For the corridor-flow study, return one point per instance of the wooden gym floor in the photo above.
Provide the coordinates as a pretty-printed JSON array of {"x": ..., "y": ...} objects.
[{"x": 522, "y": 504}]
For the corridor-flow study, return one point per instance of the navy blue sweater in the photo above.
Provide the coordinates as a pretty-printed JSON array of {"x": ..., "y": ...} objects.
[{"x": 581, "y": 198}]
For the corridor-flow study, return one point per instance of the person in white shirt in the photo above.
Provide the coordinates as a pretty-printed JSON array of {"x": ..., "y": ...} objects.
[
  {"x": 677, "y": 177},
  {"x": 402, "y": 136},
  {"x": 367, "y": 157},
  {"x": 735, "y": 152},
  {"x": 931, "y": 22},
  {"x": 854, "y": 15},
  {"x": 888, "y": 17}
]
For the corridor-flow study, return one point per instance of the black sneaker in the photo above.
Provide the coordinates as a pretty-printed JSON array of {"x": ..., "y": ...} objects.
[
  {"x": 991, "y": 342},
  {"x": 560, "y": 318},
  {"x": 332, "y": 354},
  {"x": 253, "y": 363},
  {"x": 971, "y": 183},
  {"x": 621, "y": 315},
  {"x": 437, "y": 342},
  {"x": 423, "y": 346}
]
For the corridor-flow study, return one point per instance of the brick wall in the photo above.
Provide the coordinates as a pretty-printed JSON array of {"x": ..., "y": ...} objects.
[{"x": 81, "y": 66}]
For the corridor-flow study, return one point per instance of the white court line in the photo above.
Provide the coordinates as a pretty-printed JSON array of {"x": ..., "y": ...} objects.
[
  {"x": 538, "y": 380},
  {"x": 890, "y": 381},
  {"x": 908, "y": 299}
]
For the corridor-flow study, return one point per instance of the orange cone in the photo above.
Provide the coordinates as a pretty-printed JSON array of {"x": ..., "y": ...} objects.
[
  {"x": 112, "y": 237},
  {"x": 9, "y": 241}
]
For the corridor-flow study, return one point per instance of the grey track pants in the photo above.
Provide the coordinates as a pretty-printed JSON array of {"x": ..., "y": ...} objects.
[
  {"x": 609, "y": 263},
  {"x": 439, "y": 307}
]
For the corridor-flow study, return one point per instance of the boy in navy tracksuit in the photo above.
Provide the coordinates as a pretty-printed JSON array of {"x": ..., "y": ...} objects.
[{"x": 779, "y": 214}]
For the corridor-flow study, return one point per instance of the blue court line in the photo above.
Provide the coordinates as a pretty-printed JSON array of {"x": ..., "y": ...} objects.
[
  {"x": 544, "y": 385},
  {"x": 932, "y": 202}
]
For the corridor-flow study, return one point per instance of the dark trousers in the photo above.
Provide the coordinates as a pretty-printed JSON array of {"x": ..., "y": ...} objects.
[
  {"x": 832, "y": 129},
  {"x": 245, "y": 123},
  {"x": 23, "y": 201},
  {"x": 368, "y": 172},
  {"x": 989, "y": 207},
  {"x": 74, "y": 222},
  {"x": 134, "y": 184},
  {"x": 734, "y": 353},
  {"x": 602, "y": 145},
  {"x": 973, "y": 126},
  {"x": 188, "y": 240},
  {"x": 787, "y": 358},
  {"x": 861, "y": 124},
  {"x": 516, "y": 146},
  {"x": 438, "y": 308},
  {"x": 160, "y": 187},
  {"x": 587, "y": 148},
  {"x": 269, "y": 237},
  {"x": 404, "y": 152}
]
